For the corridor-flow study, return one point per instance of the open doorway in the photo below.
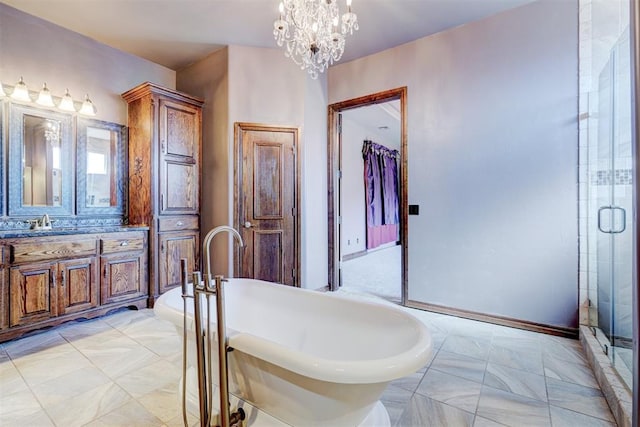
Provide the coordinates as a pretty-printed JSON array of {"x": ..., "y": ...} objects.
[{"x": 367, "y": 195}]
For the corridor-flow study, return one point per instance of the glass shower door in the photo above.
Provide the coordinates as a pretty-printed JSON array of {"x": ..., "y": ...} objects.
[{"x": 614, "y": 195}]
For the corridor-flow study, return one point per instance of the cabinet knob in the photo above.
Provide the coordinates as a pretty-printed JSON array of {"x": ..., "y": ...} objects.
[
  {"x": 125, "y": 243},
  {"x": 248, "y": 225},
  {"x": 179, "y": 224}
]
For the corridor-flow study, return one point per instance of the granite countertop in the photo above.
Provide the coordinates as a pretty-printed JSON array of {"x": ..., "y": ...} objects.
[{"x": 8, "y": 234}]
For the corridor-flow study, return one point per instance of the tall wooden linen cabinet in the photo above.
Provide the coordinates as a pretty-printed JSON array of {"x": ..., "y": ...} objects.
[{"x": 164, "y": 179}]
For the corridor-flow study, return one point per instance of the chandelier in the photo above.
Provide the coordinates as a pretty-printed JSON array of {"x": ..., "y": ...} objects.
[{"x": 313, "y": 33}]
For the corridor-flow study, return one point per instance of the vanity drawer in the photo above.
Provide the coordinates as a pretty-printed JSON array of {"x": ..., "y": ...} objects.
[
  {"x": 42, "y": 250},
  {"x": 123, "y": 244},
  {"x": 178, "y": 223}
]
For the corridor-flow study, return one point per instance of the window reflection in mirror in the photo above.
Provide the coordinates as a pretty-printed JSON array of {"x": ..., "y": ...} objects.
[
  {"x": 101, "y": 174},
  {"x": 41, "y": 171}
]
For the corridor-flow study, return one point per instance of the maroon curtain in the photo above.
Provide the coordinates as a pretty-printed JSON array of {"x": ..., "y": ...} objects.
[{"x": 381, "y": 193}]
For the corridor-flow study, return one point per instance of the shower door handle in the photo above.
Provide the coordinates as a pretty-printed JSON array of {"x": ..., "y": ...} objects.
[
  {"x": 624, "y": 219},
  {"x": 612, "y": 209}
]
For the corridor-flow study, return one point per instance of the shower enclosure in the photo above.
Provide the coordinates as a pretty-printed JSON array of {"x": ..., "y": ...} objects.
[{"x": 611, "y": 186}]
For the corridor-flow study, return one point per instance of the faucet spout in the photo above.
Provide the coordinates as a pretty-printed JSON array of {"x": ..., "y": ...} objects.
[
  {"x": 206, "y": 244},
  {"x": 45, "y": 222}
]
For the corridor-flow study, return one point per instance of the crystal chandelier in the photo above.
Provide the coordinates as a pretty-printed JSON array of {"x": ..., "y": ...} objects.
[{"x": 313, "y": 33}]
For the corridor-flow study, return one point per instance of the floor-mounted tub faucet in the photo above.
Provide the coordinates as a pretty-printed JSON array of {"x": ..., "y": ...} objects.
[{"x": 205, "y": 289}]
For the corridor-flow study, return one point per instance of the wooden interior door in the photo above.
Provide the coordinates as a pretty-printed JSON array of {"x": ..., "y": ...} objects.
[{"x": 267, "y": 200}]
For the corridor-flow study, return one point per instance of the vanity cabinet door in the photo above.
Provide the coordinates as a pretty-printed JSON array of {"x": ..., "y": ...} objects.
[
  {"x": 179, "y": 135},
  {"x": 174, "y": 247},
  {"x": 33, "y": 293},
  {"x": 122, "y": 277},
  {"x": 78, "y": 288}
]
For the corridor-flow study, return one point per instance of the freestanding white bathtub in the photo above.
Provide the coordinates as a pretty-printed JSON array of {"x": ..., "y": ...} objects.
[{"x": 307, "y": 357}]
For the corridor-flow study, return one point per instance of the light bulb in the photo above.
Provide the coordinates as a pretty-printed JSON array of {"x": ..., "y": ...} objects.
[
  {"x": 88, "y": 109},
  {"x": 44, "y": 97},
  {"x": 66, "y": 103},
  {"x": 21, "y": 92}
]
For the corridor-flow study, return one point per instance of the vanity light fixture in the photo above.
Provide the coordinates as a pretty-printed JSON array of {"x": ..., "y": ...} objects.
[
  {"x": 88, "y": 109},
  {"x": 21, "y": 92},
  {"x": 66, "y": 103},
  {"x": 44, "y": 97}
]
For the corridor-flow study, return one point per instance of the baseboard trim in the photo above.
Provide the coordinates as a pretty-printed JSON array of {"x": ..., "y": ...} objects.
[
  {"x": 354, "y": 255},
  {"x": 497, "y": 320}
]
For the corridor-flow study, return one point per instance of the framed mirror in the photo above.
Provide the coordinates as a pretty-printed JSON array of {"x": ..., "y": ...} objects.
[
  {"x": 101, "y": 179},
  {"x": 40, "y": 162}
]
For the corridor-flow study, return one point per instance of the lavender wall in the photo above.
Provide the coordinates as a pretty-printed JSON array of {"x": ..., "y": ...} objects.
[
  {"x": 43, "y": 52},
  {"x": 492, "y": 143}
]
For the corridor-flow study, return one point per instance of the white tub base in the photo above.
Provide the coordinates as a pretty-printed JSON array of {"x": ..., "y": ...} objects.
[{"x": 377, "y": 417}]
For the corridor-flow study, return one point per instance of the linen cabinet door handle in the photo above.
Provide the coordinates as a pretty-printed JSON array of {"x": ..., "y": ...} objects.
[{"x": 62, "y": 280}]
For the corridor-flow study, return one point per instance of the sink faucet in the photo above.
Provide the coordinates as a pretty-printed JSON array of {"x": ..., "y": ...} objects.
[{"x": 43, "y": 223}]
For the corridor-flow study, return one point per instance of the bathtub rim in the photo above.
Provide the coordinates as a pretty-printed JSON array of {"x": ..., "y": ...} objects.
[{"x": 170, "y": 306}]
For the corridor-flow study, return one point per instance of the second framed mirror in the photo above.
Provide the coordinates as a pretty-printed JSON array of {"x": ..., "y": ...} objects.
[{"x": 101, "y": 179}]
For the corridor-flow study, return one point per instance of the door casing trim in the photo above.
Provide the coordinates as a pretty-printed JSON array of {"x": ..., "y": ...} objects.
[{"x": 332, "y": 171}]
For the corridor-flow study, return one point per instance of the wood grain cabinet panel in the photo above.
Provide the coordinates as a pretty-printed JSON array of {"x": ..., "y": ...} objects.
[
  {"x": 173, "y": 248},
  {"x": 78, "y": 289},
  {"x": 32, "y": 290},
  {"x": 121, "y": 276}
]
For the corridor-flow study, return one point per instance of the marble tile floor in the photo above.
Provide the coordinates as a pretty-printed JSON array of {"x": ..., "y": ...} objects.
[{"x": 123, "y": 370}]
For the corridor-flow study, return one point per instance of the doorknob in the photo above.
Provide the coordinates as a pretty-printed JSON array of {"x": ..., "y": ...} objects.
[{"x": 247, "y": 224}]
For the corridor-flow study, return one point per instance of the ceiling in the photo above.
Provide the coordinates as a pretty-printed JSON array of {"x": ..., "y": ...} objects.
[
  {"x": 176, "y": 33},
  {"x": 381, "y": 120}
]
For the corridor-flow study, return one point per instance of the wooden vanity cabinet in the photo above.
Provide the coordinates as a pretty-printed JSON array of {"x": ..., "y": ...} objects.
[
  {"x": 47, "y": 280},
  {"x": 164, "y": 178}
]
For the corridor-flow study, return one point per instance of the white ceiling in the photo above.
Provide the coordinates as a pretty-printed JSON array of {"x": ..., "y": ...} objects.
[
  {"x": 176, "y": 33},
  {"x": 381, "y": 120}
]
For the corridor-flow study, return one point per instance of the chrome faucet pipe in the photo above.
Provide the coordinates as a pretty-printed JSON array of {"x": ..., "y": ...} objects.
[
  {"x": 206, "y": 243},
  {"x": 185, "y": 295},
  {"x": 203, "y": 290},
  {"x": 222, "y": 353}
]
